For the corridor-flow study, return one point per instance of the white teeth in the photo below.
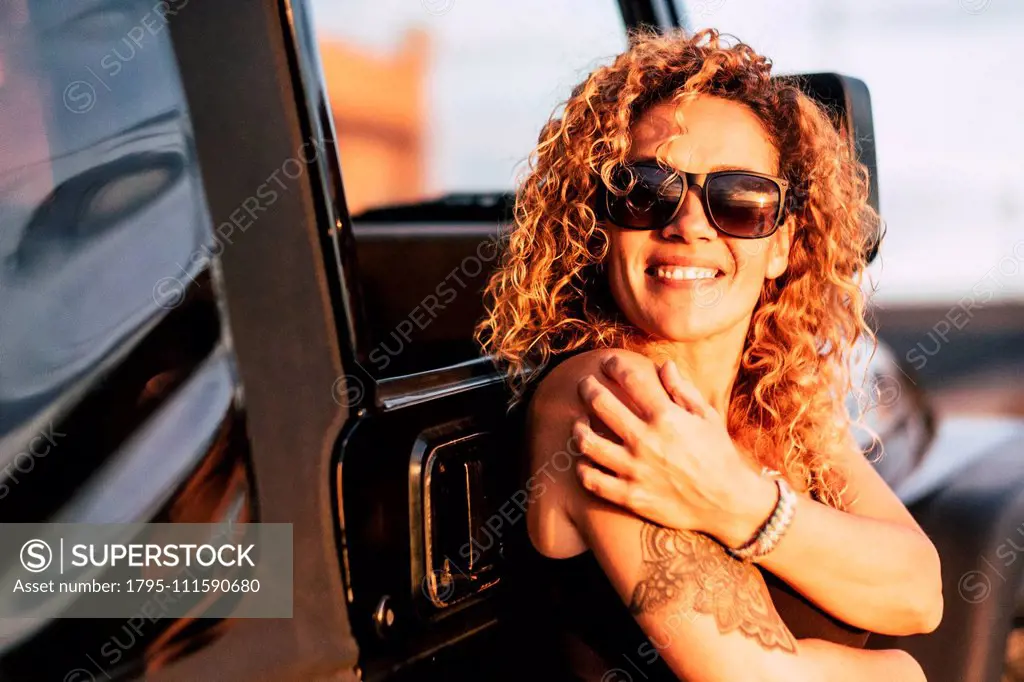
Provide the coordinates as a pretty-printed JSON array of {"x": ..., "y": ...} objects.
[{"x": 683, "y": 273}]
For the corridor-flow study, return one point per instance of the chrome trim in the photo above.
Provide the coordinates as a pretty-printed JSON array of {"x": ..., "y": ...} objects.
[
  {"x": 398, "y": 402},
  {"x": 412, "y": 389},
  {"x": 430, "y": 571},
  {"x": 485, "y": 362},
  {"x": 346, "y": 570},
  {"x": 423, "y": 573},
  {"x": 399, "y": 230}
]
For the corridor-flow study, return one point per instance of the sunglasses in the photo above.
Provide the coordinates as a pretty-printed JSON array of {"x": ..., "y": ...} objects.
[{"x": 737, "y": 203}]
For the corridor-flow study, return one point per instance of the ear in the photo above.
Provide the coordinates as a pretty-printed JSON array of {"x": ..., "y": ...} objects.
[{"x": 778, "y": 250}]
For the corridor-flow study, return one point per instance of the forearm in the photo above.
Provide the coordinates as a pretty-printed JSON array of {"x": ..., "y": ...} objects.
[
  {"x": 873, "y": 574},
  {"x": 814, "y": 660},
  {"x": 836, "y": 663}
]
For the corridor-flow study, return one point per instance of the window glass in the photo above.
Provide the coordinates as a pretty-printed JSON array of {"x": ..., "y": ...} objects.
[
  {"x": 101, "y": 207},
  {"x": 948, "y": 97},
  {"x": 438, "y": 96}
]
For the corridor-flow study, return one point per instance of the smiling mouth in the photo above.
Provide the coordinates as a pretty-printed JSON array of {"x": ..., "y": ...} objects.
[{"x": 682, "y": 274}]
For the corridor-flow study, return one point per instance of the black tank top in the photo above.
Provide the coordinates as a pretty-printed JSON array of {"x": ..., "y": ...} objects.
[{"x": 582, "y": 630}]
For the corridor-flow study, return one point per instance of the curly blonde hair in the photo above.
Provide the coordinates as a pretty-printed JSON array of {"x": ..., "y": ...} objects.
[{"x": 547, "y": 298}]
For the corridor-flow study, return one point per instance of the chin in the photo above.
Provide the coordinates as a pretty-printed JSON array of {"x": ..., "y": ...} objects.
[
  {"x": 684, "y": 329},
  {"x": 689, "y": 323},
  {"x": 690, "y": 335}
]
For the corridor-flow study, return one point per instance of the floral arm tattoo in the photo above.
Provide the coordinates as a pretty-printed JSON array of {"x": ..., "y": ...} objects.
[{"x": 694, "y": 572}]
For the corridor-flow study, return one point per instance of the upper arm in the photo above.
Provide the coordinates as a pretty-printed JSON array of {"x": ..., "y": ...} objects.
[{"x": 708, "y": 615}]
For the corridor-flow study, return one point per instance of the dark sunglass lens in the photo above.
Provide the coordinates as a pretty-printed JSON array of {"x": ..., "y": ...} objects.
[
  {"x": 743, "y": 205},
  {"x": 651, "y": 201}
]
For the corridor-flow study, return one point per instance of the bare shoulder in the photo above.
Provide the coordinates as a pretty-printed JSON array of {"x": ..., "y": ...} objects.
[
  {"x": 555, "y": 493},
  {"x": 558, "y": 388},
  {"x": 556, "y": 403}
]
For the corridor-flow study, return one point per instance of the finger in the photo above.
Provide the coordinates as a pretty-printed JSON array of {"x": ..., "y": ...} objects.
[
  {"x": 605, "y": 486},
  {"x": 640, "y": 385},
  {"x": 611, "y": 456},
  {"x": 683, "y": 391},
  {"x": 606, "y": 406}
]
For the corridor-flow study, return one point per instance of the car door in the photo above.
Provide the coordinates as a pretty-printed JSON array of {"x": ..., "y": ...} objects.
[{"x": 168, "y": 338}]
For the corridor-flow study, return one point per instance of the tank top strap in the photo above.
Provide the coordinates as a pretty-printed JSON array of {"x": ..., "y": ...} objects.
[{"x": 540, "y": 373}]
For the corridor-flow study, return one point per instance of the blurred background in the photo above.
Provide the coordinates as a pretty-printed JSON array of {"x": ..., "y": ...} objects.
[{"x": 946, "y": 91}]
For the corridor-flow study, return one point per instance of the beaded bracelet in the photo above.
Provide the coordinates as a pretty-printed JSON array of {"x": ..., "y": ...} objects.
[{"x": 768, "y": 536}]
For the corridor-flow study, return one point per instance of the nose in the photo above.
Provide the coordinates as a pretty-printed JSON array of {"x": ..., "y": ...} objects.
[{"x": 691, "y": 223}]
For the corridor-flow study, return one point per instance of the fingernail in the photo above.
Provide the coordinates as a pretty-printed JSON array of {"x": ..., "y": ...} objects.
[{"x": 582, "y": 428}]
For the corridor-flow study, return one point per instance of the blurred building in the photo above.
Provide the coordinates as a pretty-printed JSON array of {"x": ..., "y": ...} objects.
[{"x": 379, "y": 112}]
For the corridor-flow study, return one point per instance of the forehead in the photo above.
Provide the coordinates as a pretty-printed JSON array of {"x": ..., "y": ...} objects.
[{"x": 716, "y": 133}]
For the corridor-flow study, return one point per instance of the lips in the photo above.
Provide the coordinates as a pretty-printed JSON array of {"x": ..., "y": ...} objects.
[
  {"x": 684, "y": 274},
  {"x": 683, "y": 269}
]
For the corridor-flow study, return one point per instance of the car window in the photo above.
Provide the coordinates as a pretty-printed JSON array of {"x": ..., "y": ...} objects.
[
  {"x": 947, "y": 96},
  {"x": 438, "y": 97},
  {"x": 101, "y": 206}
]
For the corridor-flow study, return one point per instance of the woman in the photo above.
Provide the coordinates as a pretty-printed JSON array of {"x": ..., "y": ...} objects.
[{"x": 684, "y": 269}]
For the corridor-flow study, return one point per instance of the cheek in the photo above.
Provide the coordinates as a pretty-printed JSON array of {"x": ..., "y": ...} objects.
[
  {"x": 623, "y": 252},
  {"x": 623, "y": 292},
  {"x": 752, "y": 258}
]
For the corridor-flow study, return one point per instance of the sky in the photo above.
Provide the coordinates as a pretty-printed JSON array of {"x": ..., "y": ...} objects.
[{"x": 947, "y": 94}]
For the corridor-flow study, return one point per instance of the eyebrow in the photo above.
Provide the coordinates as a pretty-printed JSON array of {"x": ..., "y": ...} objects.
[{"x": 728, "y": 167}]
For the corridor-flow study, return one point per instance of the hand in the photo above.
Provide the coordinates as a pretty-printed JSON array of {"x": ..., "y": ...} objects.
[{"x": 676, "y": 464}]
